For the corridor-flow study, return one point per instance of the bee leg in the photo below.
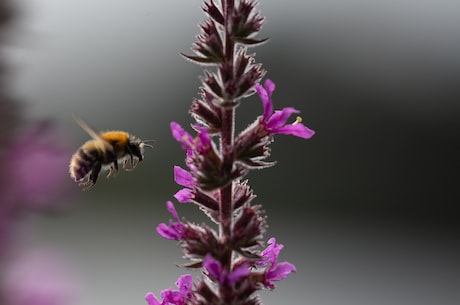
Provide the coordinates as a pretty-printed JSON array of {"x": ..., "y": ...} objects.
[
  {"x": 86, "y": 185},
  {"x": 136, "y": 163},
  {"x": 115, "y": 166},
  {"x": 92, "y": 178},
  {"x": 133, "y": 164},
  {"x": 113, "y": 169},
  {"x": 109, "y": 174}
]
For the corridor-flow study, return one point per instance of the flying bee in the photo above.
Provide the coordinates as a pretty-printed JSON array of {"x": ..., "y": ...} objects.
[{"x": 104, "y": 151}]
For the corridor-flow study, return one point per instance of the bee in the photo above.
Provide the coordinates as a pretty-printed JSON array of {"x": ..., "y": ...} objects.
[{"x": 104, "y": 151}]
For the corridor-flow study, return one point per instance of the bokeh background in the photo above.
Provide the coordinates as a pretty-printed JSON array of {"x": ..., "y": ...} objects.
[{"x": 365, "y": 209}]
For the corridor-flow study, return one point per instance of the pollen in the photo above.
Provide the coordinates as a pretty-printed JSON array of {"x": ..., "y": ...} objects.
[
  {"x": 297, "y": 120},
  {"x": 187, "y": 140}
]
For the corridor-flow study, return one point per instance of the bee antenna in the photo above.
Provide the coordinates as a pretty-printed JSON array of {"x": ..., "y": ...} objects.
[{"x": 147, "y": 145}]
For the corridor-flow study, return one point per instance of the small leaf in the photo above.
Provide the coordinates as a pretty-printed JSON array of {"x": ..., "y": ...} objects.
[
  {"x": 247, "y": 254},
  {"x": 200, "y": 60},
  {"x": 251, "y": 41},
  {"x": 192, "y": 265},
  {"x": 256, "y": 164}
]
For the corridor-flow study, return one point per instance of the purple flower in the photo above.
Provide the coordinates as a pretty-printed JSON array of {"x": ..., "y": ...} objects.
[
  {"x": 35, "y": 162},
  {"x": 217, "y": 273},
  {"x": 203, "y": 139},
  {"x": 184, "y": 178},
  {"x": 176, "y": 230},
  {"x": 184, "y": 195},
  {"x": 275, "y": 123},
  {"x": 5, "y": 226},
  {"x": 181, "y": 135},
  {"x": 278, "y": 272},
  {"x": 274, "y": 271},
  {"x": 40, "y": 277},
  {"x": 152, "y": 299},
  {"x": 175, "y": 297},
  {"x": 201, "y": 144},
  {"x": 271, "y": 253}
]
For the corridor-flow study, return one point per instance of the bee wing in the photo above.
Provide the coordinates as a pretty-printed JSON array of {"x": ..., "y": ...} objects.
[{"x": 92, "y": 132}]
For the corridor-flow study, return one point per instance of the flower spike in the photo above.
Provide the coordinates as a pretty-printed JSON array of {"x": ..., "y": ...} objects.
[
  {"x": 176, "y": 229},
  {"x": 229, "y": 252}
]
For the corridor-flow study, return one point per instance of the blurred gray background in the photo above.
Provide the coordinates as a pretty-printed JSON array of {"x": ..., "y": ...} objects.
[{"x": 365, "y": 209}]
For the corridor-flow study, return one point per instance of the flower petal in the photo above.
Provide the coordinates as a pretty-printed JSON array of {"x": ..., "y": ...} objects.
[
  {"x": 280, "y": 271},
  {"x": 168, "y": 232},
  {"x": 171, "y": 296},
  {"x": 204, "y": 140},
  {"x": 239, "y": 273},
  {"x": 181, "y": 296},
  {"x": 181, "y": 135},
  {"x": 172, "y": 210},
  {"x": 270, "y": 254},
  {"x": 176, "y": 230},
  {"x": 185, "y": 284},
  {"x": 151, "y": 299},
  {"x": 279, "y": 118},
  {"x": 183, "y": 177},
  {"x": 269, "y": 86},
  {"x": 266, "y": 101},
  {"x": 214, "y": 267},
  {"x": 297, "y": 129},
  {"x": 184, "y": 195}
]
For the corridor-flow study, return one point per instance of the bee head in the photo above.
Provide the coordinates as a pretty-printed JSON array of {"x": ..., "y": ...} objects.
[{"x": 136, "y": 147}]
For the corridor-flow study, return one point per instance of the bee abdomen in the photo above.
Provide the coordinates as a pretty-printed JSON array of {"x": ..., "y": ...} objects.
[{"x": 81, "y": 164}]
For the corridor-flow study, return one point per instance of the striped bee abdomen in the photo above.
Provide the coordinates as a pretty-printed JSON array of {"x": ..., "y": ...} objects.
[{"x": 82, "y": 163}]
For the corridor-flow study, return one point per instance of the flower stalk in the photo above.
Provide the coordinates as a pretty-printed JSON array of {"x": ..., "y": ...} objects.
[{"x": 231, "y": 258}]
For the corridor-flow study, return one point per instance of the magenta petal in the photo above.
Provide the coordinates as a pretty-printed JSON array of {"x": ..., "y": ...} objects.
[
  {"x": 298, "y": 130},
  {"x": 184, "y": 195},
  {"x": 262, "y": 93},
  {"x": 168, "y": 232},
  {"x": 266, "y": 101},
  {"x": 269, "y": 86},
  {"x": 170, "y": 296},
  {"x": 151, "y": 299},
  {"x": 185, "y": 284},
  {"x": 279, "y": 118},
  {"x": 181, "y": 135},
  {"x": 271, "y": 253},
  {"x": 280, "y": 271},
  {"x": 213, "y": 267},
  {"x": 204, "y": 140},
  {"x": 239, "y": 273},
  {"x": 181, "y": 296},
  {"x": 183, "y": 177},
  {"x": 172, "y": 210}
]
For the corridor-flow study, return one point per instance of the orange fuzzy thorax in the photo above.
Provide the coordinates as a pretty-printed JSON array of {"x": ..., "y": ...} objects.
[{"x": 116, "y": 138}]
